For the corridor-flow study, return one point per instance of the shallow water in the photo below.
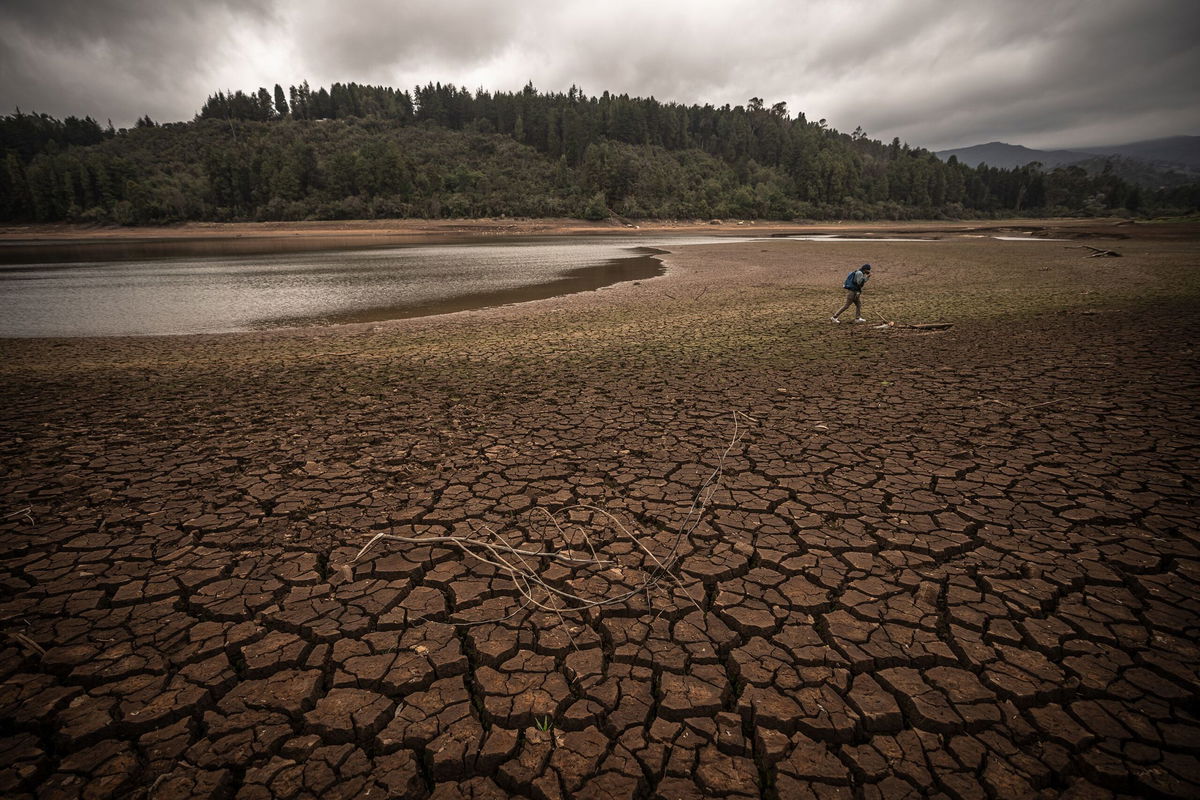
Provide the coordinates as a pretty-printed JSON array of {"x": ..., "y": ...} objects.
[
  {"x": 200, "y": 293},
  {"x": 833, "y": 237}
]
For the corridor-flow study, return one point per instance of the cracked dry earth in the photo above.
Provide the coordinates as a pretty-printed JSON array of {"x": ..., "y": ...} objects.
[{"x": 957, "y": 564}]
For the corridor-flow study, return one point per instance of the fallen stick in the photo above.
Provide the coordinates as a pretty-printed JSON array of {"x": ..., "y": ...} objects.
[
  {"x": 24, "y": 512},
  {"x": 537, "y": 592},
  {"x": 1096, "y": 251},
  {"x": 463, "y": 543},
  {"x": 917, "y": 326},
  {"x": 926, "y": 326},
  {"x": 1038, "y": 405},
  {"x": 1018, "y": 409},
  {"x": 920, "y": 326},
  {"x": 24, "y": 640}
]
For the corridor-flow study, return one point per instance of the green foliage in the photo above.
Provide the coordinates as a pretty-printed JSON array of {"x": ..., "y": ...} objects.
[
  {"x": 596, "y": 208},
  {"x": 26, "y": 135},
  {"x": 354, "y": 151}
]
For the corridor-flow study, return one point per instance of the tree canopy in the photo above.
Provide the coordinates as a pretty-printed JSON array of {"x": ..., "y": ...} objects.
[{"x": 354, "y": 151}]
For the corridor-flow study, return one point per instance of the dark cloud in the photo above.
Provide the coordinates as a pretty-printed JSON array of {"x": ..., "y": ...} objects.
[
  {"x": 1050, "y": 74},
  {"x": 71, "y": 23},
  {"x": 382, "y": 35},
  {"x": 937, "y": 73},
  {"x": 118, "y": 58}
]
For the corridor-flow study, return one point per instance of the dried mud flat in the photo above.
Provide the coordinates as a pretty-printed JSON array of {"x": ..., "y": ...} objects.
[{"x": 961, "y": 563}]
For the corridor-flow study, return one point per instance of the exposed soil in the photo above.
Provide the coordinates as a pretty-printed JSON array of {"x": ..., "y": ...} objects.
[{"x": 953, "y": 563}]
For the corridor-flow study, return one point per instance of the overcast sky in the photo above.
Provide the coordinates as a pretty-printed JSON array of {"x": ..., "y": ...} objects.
[{"x": 935, "y": 73}]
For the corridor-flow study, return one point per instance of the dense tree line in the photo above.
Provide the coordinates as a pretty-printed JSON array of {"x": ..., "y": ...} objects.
[
  {"x": 26, "y": 135},
  {"x": 354, "y": 151}
]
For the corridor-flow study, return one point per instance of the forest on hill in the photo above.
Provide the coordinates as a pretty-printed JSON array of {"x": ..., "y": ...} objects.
[{"x": 363, "y": 152}]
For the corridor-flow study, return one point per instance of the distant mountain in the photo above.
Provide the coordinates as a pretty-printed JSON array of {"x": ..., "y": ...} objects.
[
  {"x": 1152, "y": 163},
  {"x": 1184, "y": 150},
  {"x": 1008, "y": 156},
  {"x": 1173, "y": 150}
]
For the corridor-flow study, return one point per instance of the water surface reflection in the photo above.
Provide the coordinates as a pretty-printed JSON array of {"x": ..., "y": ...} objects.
[{"x": 197, "y": 293}]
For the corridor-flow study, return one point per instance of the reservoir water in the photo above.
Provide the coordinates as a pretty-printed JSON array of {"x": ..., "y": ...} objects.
[{"x": 88, "y": 291}]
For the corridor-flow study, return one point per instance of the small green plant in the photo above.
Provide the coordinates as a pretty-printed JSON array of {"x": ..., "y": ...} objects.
[{"x": 545, "y": 724}]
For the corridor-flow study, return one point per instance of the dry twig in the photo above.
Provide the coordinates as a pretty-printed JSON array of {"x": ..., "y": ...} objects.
[
  {"x": 25, "y": 641},
  {"x": 1097, "y": 252},
  {"x": 522, "y": 563},
  {"x": 26, "y": 512},
  {"x": 1018, "y": 409}
]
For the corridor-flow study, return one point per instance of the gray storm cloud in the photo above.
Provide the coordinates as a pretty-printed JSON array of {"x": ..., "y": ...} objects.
[
  {"x": 117, "y": 59},
  {"x": 935, "y": 73},
  {"x": 381, "y": 35}
]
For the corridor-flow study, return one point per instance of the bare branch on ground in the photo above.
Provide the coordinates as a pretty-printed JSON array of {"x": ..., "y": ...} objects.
[{"x": 572, "y": 546}]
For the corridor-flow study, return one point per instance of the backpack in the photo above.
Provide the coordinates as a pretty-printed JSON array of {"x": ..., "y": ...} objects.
[{"x": 850, "y": 283}]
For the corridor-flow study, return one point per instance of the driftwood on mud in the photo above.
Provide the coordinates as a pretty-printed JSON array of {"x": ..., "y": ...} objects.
[
  {"x": 919, "y": 326},
  {"x": 1097, "y": 252},
  {"x": 915, "y": 326}
]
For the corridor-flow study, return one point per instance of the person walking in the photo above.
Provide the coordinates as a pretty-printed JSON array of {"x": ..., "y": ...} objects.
[{"x": 853, "y": 285}]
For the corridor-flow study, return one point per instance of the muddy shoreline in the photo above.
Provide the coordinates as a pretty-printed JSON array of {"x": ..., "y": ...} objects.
[{"x": 441, "y": 230}]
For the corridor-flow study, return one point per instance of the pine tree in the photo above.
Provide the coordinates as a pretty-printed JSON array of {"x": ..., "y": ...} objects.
[
  {"x": 265, "y": 107},
  {"x": 281, "y": 104}
]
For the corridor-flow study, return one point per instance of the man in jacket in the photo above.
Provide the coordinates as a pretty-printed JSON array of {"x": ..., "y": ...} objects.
[{"x": 853, "y": 285}]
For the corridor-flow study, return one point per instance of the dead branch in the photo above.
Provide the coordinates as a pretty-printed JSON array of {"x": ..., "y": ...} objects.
[
  {"x": 522, "y": 563},
  {"x": 463, "y": 543},
  {"x": 25, "y": 512},
  {"x": 1097, "y": 252},
  {"x": 25, "y": 641},
  {"x": 917, "y": 326},
  {"x": 927, "y": 326},
  {"x": 1018, "y": 409},
  {"x": 1039, "y": 405}
]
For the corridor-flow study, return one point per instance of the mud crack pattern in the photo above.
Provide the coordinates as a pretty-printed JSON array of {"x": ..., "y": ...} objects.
[{"x": 958, "y": 565}]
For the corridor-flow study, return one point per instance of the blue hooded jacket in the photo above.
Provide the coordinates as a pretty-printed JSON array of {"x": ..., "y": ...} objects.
[{"x": 856, "y": 280}]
